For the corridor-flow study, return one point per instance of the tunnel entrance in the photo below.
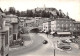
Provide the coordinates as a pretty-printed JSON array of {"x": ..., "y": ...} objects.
[{"x": 35, "y": 30}]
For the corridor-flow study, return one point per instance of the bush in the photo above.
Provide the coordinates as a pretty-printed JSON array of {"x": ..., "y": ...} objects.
[{"x": 16, "y": 42}]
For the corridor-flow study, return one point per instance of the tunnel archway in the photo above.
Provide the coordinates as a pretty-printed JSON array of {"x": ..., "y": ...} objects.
[{"x": 34, "y": 30}]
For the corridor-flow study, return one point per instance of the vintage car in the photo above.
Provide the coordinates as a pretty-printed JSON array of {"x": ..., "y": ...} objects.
[
  {"x": 64, "y": 46},
  {"x": 45, "y": 42}
]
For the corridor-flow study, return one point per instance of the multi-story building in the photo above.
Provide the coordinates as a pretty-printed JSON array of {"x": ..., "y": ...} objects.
[
  {"x": 21, "y": 22},
  {"x": 4, "y": 36},
  {"x": 76, "y": 28},
  {"x": 47, "y": 26},
  {"x": 62, "y": 24},
  {"x": 12, "y": 22},
  {"x": 7, "y": 20},
  {"x": 35, "y": 22},
  {"x": 40, "y": 22}
]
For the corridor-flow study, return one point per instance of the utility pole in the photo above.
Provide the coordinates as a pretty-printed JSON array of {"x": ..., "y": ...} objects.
[{"x": 54, "y": 49}]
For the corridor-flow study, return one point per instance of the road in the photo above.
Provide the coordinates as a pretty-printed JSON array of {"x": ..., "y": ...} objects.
[
  {"x": 37, "y": 48},
  {"x": 73, "y": 52}
]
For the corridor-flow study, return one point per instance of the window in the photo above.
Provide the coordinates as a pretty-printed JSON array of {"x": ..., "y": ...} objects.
[
  {"x": 62, "y": 25},
  {"x": 6, "y": 38},
  {"x": 78, "y": 25},
  {"x": 14, "y": 36},
  {"x": 10, "y": 31},
  {"x": 74, "y": 28},
  {"x": 70, "y": 24},
  {"x": 70, "y": 28},
  {"x": 57, "y": 24},
  {"x": 66, "y": 25},
  {"x": 26, "y": 24}
]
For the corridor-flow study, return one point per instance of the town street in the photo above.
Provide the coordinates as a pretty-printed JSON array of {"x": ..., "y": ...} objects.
[
  {"x": 75, "y": 51},
  {"x": 37, "y": 48},
  {"x": 33, "y": 49}
]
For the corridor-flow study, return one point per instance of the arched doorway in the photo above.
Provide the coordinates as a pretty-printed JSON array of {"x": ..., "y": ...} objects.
[{"x": 34, "y": 30}]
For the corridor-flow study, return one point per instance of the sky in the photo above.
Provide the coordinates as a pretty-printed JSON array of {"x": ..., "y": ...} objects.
[{"x": 70, "y": 6}]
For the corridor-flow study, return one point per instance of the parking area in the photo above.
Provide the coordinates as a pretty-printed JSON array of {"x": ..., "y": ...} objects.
[{"x": 66, "y": 43}]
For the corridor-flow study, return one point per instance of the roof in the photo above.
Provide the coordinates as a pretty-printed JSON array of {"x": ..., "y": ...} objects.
[
  {"x": 29, "y": 21},
  {"x": 60, "y": 19},
  {"x": 11, "y": 15},
  {"x": 78, "y": 22},
  {"x": 63, "y": 33},
  {"x": 1, "y": 10}
]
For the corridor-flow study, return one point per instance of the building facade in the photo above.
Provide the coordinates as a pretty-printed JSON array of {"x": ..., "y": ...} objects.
[
  {"x": 47, "y": 26},
  {"x": 15, "y": 25},
  {"x": 8, "y": 24},
  {"x": 4, "y": 37},
  {"x": 76, "y": 28},
  {"x": 62, "y": 24},
  {"x": 12, "y": 22}
]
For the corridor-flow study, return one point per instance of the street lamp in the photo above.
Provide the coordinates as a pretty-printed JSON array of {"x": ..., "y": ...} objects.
[{"x": 54, "y": 49}]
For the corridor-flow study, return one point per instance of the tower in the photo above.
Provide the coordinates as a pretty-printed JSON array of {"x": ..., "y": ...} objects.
[{"x": 44, "y": 7}]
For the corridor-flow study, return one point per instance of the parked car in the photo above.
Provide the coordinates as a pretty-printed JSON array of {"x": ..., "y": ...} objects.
[
  {"x": 64, "y": 41},
  {"x": 68, "y": 40},
  {"x": 73, "y": 40},
  {"x": 51, "y": 33},
  {"x": 45, "y": 42},
  {"x": 41, "y": 31},
  {"x": 64, "y": 46}
]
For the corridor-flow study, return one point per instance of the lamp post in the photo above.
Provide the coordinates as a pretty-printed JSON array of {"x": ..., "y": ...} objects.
[{"x": 54, "y": 49}]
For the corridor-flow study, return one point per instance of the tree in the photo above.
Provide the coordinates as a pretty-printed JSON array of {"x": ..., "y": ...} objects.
[
  {"x": 43, "y": 13},
  {"x": 18, "y": 13},
  {"x": 23, "y": 14},
  {"x": 60, "y": 13},
  {"x": 48, "y": 14},
  {"x": 12, "y": 10},
  {"x": 29, "y": 13}
]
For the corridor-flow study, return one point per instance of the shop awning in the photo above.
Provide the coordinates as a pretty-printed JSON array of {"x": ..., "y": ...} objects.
[{"x": 63, "y": 33}]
